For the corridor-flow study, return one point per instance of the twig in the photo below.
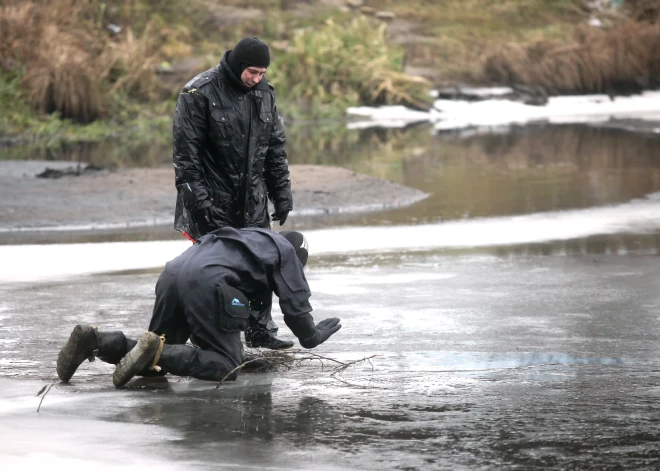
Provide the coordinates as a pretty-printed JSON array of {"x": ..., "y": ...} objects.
[
  {"x": 300, "y": 357},
  {"x": 44, "y": 395},
  {"x": 239, "y": 367},
  {"x": 343, "y": 367}
]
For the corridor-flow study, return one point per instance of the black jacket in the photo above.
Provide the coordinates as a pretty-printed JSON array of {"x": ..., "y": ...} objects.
[
  {"x": 228, "y": 152},
  {"x": 258, "y": 262}
]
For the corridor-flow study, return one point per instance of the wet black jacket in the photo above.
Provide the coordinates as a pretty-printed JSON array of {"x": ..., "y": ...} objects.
[
  {"x": 257, "y": 262},
  {"x": 228, "y": 153}
]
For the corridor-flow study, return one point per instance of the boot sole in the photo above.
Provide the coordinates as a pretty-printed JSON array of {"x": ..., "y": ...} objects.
[
  {"x": 136, "y": 360},
  {"x": 73, "y": 346}
]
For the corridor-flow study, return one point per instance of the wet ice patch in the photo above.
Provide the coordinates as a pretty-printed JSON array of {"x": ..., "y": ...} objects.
[
  {"x": 26, "y": 263},
  {"x": 330, "y": 284},
  {"x": 455, "y": 361},
  {"x": 402, "y": 278},
  {"x": 16, "y": 363},
  {"x": 635, "y": 217}
]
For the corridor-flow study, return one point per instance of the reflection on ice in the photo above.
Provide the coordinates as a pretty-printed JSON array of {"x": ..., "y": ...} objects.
[
  {"x": 363, "y": 282},
  {"x": 40, "y": 262},
  {"x": 455, "y": 361},
  {"x": 637, "y": 216}
]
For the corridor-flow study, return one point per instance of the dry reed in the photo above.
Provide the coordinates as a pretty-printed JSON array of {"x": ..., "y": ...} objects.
[
  {"x": 622, "y": 59},
  {"x": 66, "y": 64},
  {"x": 643, "y": 10}
]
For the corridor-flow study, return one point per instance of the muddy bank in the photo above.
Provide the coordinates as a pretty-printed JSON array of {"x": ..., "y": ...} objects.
[{"x": 82, "y": 199}]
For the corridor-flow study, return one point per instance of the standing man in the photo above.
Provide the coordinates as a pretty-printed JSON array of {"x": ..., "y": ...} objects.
[
  {"x": 202, "y": 295},
  {"x": 229, "y": 157},
  {"x": 229, "y": 146}
]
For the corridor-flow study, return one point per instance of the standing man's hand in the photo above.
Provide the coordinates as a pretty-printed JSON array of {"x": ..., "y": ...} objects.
[
  {"x": 204, "y": 220},
  {"x": 280, "y": 216}
]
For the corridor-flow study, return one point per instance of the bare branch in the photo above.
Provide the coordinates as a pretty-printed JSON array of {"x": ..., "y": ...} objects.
[
  {"x": 290, "y": 358},
  {"x": 44, "y": 395}
]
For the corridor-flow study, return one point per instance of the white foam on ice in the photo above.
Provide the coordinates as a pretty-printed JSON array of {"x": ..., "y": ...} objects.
[{"x": 28, "y": 263}]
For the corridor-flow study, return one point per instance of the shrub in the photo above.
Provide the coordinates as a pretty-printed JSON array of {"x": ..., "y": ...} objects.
[{"x": 346, "y": 65}]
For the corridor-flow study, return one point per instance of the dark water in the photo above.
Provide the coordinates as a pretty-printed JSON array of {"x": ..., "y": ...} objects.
[
  {"x": 530, "y": 169},
  {"x": 529, "y": 353}
]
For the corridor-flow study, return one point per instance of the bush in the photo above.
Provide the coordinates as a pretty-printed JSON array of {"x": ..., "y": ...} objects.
[{"x": 345, "y": 64}]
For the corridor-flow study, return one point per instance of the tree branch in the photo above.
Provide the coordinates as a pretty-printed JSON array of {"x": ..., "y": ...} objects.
[{"x": 292, "y": 358}]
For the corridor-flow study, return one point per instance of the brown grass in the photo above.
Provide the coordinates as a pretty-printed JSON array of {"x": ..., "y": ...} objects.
[
  {"x": 643, "y": 10},
  {"x": 66, "y": 64},
  {"x": 622, "y": 59}
]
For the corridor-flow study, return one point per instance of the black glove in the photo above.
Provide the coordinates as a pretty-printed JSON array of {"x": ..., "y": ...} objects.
[
  {"x": 311, "y": 335},
  {"x": 204, "y": 220},
  {"x": 280, "y": 216}
]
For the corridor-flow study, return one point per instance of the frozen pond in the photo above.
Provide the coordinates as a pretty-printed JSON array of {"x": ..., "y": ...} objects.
[
  {"x": 485, "y": 359},
  {"x": 513, "y": 318}
]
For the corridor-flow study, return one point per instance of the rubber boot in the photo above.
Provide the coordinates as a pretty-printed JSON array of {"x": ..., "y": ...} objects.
[
  {"x": 137, "y": 360},
  {"x": 113, "y": 346},
  {"x": 83, "y": 344},
  {"x": 256, "y": 338},
  {"x": 262, "y": 331}
]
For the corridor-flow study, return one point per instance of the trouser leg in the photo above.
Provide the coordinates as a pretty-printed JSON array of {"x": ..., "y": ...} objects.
[
  {"x": 261, "y": 320},
  {"x": 113, "y": 346},
  {"x": 168, "y": 317},
  {"x": 186, "y": 360},
  {"x": 262, "y": 330}
]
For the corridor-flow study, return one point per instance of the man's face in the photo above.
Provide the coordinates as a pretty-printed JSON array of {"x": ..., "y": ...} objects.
[{"x": 252, "y": 76}]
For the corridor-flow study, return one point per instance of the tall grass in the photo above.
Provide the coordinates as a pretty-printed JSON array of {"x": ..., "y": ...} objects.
[
  {"x": 622, "y": 59},
  {"x": 345, "y": 64},
  {"x": 67, "y": 63},
  {"x": 643, "y": 10}
]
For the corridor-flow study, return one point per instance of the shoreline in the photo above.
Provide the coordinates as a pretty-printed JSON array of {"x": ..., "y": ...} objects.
[{"x": 115, "y": 203}]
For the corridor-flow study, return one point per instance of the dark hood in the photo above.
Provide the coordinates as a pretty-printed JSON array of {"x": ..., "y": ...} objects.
[{"x": 229, "y": 75}]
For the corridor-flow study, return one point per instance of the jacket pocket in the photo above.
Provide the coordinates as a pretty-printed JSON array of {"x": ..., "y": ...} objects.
[
  {"x": 265, "y": 126},
  {"x": 223, "y": 126},
  {"x": 234, "y": 309},
  {"x": 259, "y": 207}
]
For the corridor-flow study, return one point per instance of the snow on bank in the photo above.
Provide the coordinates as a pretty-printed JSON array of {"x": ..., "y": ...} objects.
[{"x": 460, "y": 114}]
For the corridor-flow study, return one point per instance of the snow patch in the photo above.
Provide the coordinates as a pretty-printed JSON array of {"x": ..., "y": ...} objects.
[{"x": 461, "y": 114}]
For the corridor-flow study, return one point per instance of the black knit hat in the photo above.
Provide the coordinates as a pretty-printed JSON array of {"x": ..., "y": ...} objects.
[{"x": 248, "y": 52}]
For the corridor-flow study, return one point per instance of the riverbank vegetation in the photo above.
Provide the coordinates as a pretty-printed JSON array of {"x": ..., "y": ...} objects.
[
  {"x": 84, "y": 70},
  {"x": 621, "y": 59}
]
